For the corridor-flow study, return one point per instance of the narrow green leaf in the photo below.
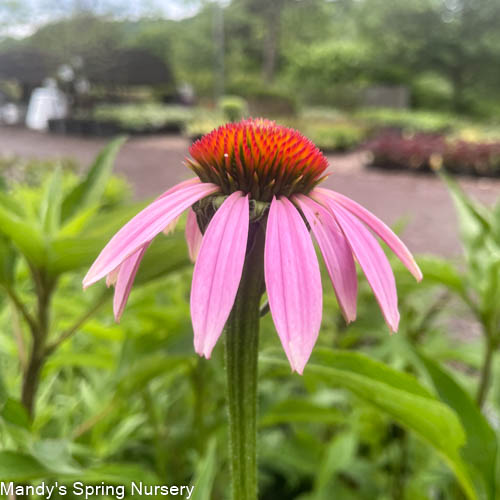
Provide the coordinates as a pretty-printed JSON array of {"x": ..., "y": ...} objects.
[
  {"x": 143, "y": 371},
  {"x": 338, "y": 455},
  {"x": 480, "y": 450},
  {"x": 441, "y": 271},
  {"x": 301, "y": 411},
  {"x": 51, "y": 204},
  {"x": 400, "y": 396},
  {"x": 92, "y": 187},
  {"x": 205, "y": 474},
  {"x": 473, "y": 218},
  {"x": 361, "y": 364}
]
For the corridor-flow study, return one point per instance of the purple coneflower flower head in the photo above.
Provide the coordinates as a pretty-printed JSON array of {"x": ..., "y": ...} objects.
[{"x": 258, "y": 172}]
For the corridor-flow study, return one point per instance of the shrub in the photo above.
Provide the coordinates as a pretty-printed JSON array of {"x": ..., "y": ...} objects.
[
  {"x": 203, "y": 124},
  {"x": 234, "y": 108},
  {"x": 144, "y": 117},
  {"x": 334, "y": 136},
  {"x": 271, "y": 102},
  {"x": 426, "y": 152},
  {"x": 408, "y": 120}
]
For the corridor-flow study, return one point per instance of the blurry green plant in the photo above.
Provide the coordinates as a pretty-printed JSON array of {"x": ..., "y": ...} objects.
[
  {"x": 48, "y": 232},
  {"x": 234, "y": 108},
  {"x": 409, "y": 121},
  {"x": 335, "y": 136},
  {"x": 144, "y": 117}
]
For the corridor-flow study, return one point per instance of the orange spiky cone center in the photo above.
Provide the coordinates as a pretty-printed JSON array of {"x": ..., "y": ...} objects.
[{"x": 257, "y": 156}]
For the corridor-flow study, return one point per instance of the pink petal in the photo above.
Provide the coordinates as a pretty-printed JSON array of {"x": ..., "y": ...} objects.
[
  {"x": 293, "y": 282},
  {"x": 181, "y": 185},
  {"x": 144, "y": 227},
  {"x": 193, "y": 235},
  {"x": 217, "y": 272},
  {"x": 336, "y": 252},
  {"x": 371, "y": 258},
  {"x": 126, "y": 275},
  {"x": 378, "y": 227}
]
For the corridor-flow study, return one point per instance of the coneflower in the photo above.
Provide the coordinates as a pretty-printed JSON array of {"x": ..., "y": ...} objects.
[{"x": 252, "y": 210}]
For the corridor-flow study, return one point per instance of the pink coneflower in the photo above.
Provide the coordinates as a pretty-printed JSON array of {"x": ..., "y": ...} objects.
[{"x": 253, "y": 171}]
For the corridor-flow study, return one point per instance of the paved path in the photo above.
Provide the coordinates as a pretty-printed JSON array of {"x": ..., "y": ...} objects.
[{"x": 154, "y": 163}]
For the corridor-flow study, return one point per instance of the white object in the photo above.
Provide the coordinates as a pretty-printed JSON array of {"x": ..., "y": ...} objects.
[
  {"x": 45, "y": 104},
  {"x": 10, "y": 114}
]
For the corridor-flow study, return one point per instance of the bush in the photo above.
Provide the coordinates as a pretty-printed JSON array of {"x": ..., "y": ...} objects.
[
  {"x": 407, "y": 120},
  {"x": 203, "y": 124},
  {"x": 334, "y": 136},
  {"x": 432, "y": 91},
  {"x": 426, "y": 152},
  {"x": 271, "y": 102},
  {"x": 233, "y": 108},
  {"x": 144, "y": 117}
]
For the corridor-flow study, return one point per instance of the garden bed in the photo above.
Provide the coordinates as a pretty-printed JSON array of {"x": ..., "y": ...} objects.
[
  {"x": 426, "y": 152},
  {"x": 133, "y": 119}
]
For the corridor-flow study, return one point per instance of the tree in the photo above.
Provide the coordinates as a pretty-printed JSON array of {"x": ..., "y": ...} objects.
[{"x": 457, "y": 39}]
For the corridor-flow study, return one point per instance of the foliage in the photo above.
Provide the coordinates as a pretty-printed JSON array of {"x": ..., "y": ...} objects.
[
  {"x": 427, "y": 152},
  {"x": 406, "y": 120},
  {"x": 233, "y": 108},
  {"x": 334, "y": 136},
  {"x": 143, "y": 117},
  {"x": 373, "y": 416}
]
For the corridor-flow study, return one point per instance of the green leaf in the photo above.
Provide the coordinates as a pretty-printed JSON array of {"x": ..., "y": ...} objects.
[
  {"x": 480, "y": 450},
  {"x": 15, "y": 413},
  {"x": 71, "y": 254},
  {"x": 165, "y": 255},
  {"x": 301, "y": 410},
  {"x": 375, "y": 370},
  {"x": 473, "y": 217},
  {"x": 400, "y": 396},
  {"x": 205, "y": 474},
  {"x": 443, "y": 272},
  {"x": 92, "y": 187},
  {"x": 26, "y": 237},
  {"x": 339, "y": 454},
  {"x": 51, "y": 204},
  {"x": 20, "y": 467},
  {"x": 143, "y": 371}
]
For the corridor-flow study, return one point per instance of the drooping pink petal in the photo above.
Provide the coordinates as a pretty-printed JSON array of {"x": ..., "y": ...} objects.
[
  {"x": 378, "y": 227},
  {"x": 144, "y": 227},
  {"x": 193, "y": 235},
  {"x": 336, "y": 252},
  {"x": 125, "y": 280},
  {"x": 293, "y": 282},
  {"x": 217, "y": 272},
  {"x": 371, "y": 258}
]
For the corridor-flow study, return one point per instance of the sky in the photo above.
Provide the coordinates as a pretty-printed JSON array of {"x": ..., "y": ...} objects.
[{"x": 20, "y": 18}]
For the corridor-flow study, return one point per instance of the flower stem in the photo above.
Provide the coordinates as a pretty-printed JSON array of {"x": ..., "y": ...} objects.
[{"x": 242, "y": 342}]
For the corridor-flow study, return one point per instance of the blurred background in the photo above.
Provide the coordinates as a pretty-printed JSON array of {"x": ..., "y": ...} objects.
[{"x": 402, "y": 97}]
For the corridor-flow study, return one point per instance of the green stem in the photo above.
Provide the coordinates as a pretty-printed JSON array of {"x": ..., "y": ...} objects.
[
  {"x": 242, "y": 342},
  {"x": 484, "y": 380}
]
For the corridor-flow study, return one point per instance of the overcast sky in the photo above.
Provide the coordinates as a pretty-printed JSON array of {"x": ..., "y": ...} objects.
[{"x": 21, "y": 17}]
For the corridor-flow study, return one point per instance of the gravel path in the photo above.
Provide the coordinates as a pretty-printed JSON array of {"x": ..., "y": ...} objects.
[{"x": 154, "y": 163}]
